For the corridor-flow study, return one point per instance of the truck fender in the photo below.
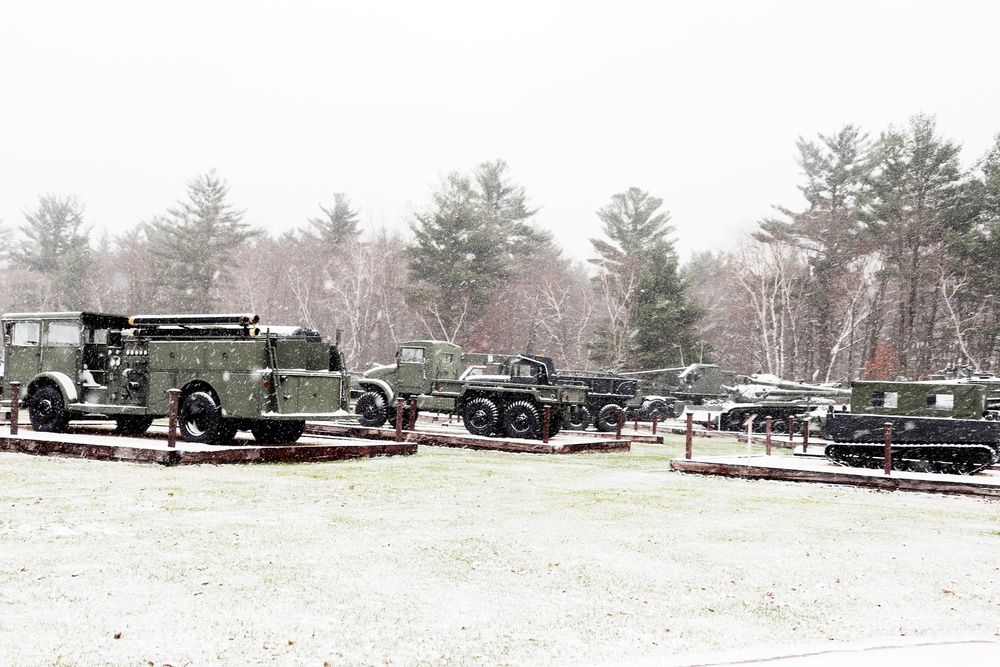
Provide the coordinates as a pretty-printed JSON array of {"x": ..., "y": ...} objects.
[
  {"x": 61, "y": 380},
  {"x": 374, "y": 384}
]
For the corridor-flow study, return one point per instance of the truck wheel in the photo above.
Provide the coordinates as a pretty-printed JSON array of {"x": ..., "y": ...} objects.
[
  {"x": 556, "y": 422},
  {"x": 200, "y": 419},
  {"x": 607, "y": 418},
  {"x": 47, "y": 410},
  {"x": 480, "y": 416},
  {"x": 270, "y": 432},
  {"x": 132, "y": 424},
  {"x": 579, "y": 420},
  {"x": 521, "y": 420},
  {"x": 371, "y": 408},
  {"x": 646, "y": 413}
]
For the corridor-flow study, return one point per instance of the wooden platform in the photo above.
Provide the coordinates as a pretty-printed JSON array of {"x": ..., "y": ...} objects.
[
  {"x": 442, "y": 435},
  {"x": 813, "y": 467},
  {"x": 97, "y": 442}
]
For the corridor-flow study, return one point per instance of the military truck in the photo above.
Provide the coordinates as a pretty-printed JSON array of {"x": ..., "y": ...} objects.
[
  {"x": 936, "y": 427},
  {"x": 232, "y": 374},
  {"x": 510, "y": 404}
]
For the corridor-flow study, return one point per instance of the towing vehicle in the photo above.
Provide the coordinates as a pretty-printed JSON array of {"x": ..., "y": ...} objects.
[
  {"x": 232, "y": 374},
  {"x": 936, "y": 426},
  {"x": 510, "y": 404}
]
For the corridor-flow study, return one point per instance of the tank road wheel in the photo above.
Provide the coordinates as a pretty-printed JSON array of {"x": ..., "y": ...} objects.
[
  {"x": 132, "y": 424},
  {"x": 521, "y": 420},
  {"x": 371, "y": 407},
  {"x": 607, "y": 418},
  {"x": 480, "y": 416},
  {"x": 47, "y": 410},
  {"x": 200, "y": 419},
  {"x": 271, "y": 432},
  {"x": 579, "y": 420}
]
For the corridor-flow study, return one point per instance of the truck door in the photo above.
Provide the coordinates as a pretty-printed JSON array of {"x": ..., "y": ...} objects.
[
  {"x": 412, "y": 367},
  {"x": 61, "y": 348},
  {"x": 24, "y": 357}
]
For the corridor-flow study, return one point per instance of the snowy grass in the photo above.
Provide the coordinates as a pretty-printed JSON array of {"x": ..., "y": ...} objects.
[{"x": 467, "y": 558}]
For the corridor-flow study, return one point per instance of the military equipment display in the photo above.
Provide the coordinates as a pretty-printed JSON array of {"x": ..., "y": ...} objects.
[
  {"x": 936, "y": 427},
  {"x": 767, "y": 395},
  {"x": 670, "y": 390},
  {"x": 430, "y": 371},
  {"x": 232, "y": 374}
]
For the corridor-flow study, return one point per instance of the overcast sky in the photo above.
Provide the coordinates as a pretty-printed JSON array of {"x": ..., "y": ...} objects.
[{"x": 122, "y": 103}]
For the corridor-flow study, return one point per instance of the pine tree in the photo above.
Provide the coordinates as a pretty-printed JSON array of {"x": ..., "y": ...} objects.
[
  {"x": 338, "y": 224},
  {"x": 194, "y": 245}
]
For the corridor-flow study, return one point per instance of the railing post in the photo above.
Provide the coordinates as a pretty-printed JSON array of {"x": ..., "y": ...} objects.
[
  {"x": 656, "y": 417},
  {"x": 399, "y": 419},
  {"x": 635, "y": 425},
  {"x": 413, "y": 413},
  {"x": 546, "y": 423},
  {"x": 690, "y": 432},
  {"x": 15, "y": 405},
  {"x": 767, "y": 436},
  {"x": 618, "y": 427},
  {"x": 175, "y": 399},
  {"x": 805, "y": 435},
  {"x": 791, "y": 429},
  {"x": 888, "y": 448}
]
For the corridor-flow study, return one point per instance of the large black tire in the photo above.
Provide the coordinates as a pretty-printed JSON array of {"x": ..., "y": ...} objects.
[
  {"x": 480, "y": 416},
  {"x": 646, "y": 413},
  {"x": 272, "y": 432},
  {"x": 521, "y": 420},
  {"x": 132, "y": 424},
  {"x": 556, "y": 422},
  {"x": 578, "y": 421},
  {"x": 200, "y": 420},
  {"x": 371, "y": 408},
  {"x": 607, "y": 418},
  {"x": 47, "y": 410}
]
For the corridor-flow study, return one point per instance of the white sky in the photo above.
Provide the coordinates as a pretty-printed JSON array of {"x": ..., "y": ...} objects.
[{"x": 121, "y": 103}]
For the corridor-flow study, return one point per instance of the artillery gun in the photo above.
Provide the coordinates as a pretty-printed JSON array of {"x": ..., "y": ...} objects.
[
  {"x": 671, "y": 390},
  {"x": 430, "y": 371},
  {"x": 232, "y": 374},
  {"x": 937, "y": 426}
]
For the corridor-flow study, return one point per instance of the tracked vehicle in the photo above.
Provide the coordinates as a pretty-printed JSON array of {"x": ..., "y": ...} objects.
[
  {"x": 232, "y": 374},
  {"x": 939, "y": 427}
]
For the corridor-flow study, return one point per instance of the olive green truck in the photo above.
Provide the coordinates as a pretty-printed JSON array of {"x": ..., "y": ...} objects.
[{"x": 232, "y": 374}]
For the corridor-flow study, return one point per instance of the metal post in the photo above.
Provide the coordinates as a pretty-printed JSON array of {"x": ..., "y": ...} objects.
[
  {"x": 399, "y": 420},
  {"x": 635, "y": 414},
  {"x": 805, "y": 435},
  {"x": 15, "y": 404},
  {"x": 690, "y": 432},
  {"x": 546, "y": 423},
  {"x": 175, "y": 399},
  {"x": 413, "y": 413},
  {"x": 791, "y": 429},
  {"x": 888, "y": 448},
  {"x": 656, "y": 417},
  {"x": 767, "y": 436},
  {"x": 618, "y": 427}
]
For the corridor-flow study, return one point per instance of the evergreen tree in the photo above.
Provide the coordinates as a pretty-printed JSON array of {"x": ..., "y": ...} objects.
[
  {"x": 56, "y": 244},
  {"x": 194, "y": 245},
  {"x": 338, "y": 224},
  {"x": 649, "y": 319}
]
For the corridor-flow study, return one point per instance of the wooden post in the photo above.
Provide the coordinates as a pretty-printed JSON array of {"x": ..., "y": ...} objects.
[
  {"x": 546, "y": 423},
  {"x": 413, "y": 413},
  {"x": 15, "y": 405},
  {"x": 175, "y": 399},
  {"x": 690, "y": 432},
  {"x": 399, "y": 420},
  {"x": 656, "y": 417},
  {"x": 767, "y": 436},
  {"x": 888, "y": 448},
  {"x": 791, "y": 429},
  {"x": 618, "y": 427},
  {"x": 805, "y": 435}
]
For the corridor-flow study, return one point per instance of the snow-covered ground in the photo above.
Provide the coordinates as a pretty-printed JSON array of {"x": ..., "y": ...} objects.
[{"x": 474, "y": 558}]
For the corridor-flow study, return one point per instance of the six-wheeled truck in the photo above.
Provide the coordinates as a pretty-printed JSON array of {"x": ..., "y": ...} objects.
[
  {"x": 232, "y": 374},
  {"x": 431, "y": 371}
]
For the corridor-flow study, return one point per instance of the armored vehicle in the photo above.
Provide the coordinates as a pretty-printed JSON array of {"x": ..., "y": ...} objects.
[
  {"x": 766, "y": 395},
  {"x": 231, "y": 374},
  {"x": 509, "y": 404},
  {"x": 936, "y": 427}
]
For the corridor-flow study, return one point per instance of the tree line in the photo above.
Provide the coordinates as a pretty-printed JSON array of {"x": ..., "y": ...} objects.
[
  {"x": 886, "y": 271},
  {"x": 476, "y": 269}
]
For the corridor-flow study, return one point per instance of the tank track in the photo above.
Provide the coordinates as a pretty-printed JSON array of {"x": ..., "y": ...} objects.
[{"x": 937, "y": 458}]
